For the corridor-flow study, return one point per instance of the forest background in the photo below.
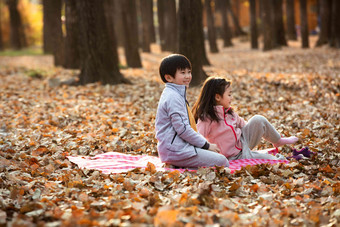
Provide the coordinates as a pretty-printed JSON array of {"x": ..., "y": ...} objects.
[{"x": 81, "y": 78}]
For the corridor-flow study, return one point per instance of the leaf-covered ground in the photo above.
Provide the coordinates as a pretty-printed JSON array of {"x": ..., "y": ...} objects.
[{"x": 40, "y": 124}]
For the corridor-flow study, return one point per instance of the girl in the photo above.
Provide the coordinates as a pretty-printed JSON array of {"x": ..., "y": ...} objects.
[{"x": 222, "y": 126}]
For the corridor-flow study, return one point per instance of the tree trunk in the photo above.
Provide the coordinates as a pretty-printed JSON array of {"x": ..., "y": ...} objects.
[
  {"x": 170, "y": 22},
  {"x": 226, "y": 31},
  {"x": 109, "y": 16},
  {"x": 304, "y": 24},
  {"x": 267, "y": 28},
  {"x": 325, "y": 15},
  {"x": 53, "y": 34},
  {"x": 17, "y": 34},
  {"x": 190, "y": 27},
  {"x": 278, "y": 20},
  {"x": 72, "y": 58},
  {"x": 130, "y": 28},
  {"x": 253, "y": 26},
  {"x": 118, "y": 24},
  {"x": 290, "y": 14},
  {"x": 147, "y": 19},
  {"x": 98, "y": 54},
  {"x": 167, "y": 24},
  {"x": 161, "y": 23},
  {"x": 335, "y": 25},
  {"x": 151, "y": 22},
  {"x": 211, "y": 27},
  {"x": 237, "y": 28},
  {"x": 1, "y": 40}
]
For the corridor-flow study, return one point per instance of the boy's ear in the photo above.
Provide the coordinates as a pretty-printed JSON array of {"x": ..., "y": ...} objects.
[{"x": 168, "y": 78}]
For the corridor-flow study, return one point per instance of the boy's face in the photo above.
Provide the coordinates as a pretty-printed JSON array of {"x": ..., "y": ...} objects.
[{"x": 182, "y": 77}]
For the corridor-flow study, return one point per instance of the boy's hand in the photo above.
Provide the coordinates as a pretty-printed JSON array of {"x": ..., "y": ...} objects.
[{"x": 214, "y": 147}]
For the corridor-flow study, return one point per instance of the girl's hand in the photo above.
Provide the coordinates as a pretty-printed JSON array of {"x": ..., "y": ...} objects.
[{"x": 214, "y": 147}]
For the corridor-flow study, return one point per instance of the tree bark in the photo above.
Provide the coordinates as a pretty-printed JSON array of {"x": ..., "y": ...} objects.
[
  {"x": 1, "y": 40},
  {"x": 72, "y": 58},
  {"x": 98, "y": 54},
  {"x": 17, "y": 34},
  {"x": 147, "y": 19},
  {"x": 118, "y": 24},
  {"x": 290, "y": 14},
  {"x": 237, "y": 28},
  {"x": 109, "y": 16},
  {"x": 167, "y": 24},
  {"x": 226, "y": 31},
  {"x": 278, "y": 26},
  {"x": 190, "y": 27},
  {"x": 161, "y": 23},
  {"x": 304, "y": 24},
  {"x": 130, "y": 28},
  {"x": 53, "y": 34},
  {"x": 335, "y": 25},
  {"x": 211, "y": 27},
  {"x": 325, "y": 15},
  {"x": 151, "y": 22},
  {"x": 253, "y": 25},
  {"x": 267, "y": 28}
]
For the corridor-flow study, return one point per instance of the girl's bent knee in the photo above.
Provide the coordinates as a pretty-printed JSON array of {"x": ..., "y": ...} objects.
[{"x": 259, "y": 118}]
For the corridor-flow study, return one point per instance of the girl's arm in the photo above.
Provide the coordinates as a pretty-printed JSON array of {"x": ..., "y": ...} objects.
[{"x": 240, "y": 123}]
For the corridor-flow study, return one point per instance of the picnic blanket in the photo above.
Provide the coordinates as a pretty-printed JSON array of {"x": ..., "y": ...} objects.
[{"x": 114, "y": 162}]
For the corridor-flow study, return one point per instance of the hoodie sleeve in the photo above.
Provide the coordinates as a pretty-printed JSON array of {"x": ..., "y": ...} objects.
[{"x": 180, "y": 121}]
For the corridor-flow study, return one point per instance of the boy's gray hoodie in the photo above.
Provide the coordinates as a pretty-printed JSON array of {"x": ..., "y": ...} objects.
[{"x": 176, "y": 139}]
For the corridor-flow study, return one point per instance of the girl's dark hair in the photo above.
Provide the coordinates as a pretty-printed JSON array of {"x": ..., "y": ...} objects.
[
  {"x": 204, "y": 106},
  {"x": 171, "y": 63}
]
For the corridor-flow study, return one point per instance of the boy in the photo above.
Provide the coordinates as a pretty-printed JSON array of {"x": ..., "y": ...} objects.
[{"x": 179, "y": 143}]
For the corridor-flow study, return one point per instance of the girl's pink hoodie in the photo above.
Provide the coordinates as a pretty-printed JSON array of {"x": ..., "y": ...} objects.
[{"x": 226, "y": 133}]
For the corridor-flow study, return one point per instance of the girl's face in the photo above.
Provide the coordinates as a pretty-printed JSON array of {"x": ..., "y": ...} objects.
[{"x": 225, "y": 99}]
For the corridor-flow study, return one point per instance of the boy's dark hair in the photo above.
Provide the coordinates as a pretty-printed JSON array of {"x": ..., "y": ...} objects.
[
  {"x": 171, "y": 63},
  {"x": 204, "y": 106}
]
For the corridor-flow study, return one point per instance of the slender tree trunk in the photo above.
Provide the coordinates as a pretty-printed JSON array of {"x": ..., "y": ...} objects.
[
  {"x": 290, "y": 14},
  {"x": 167, "y": 24},
  {"x": 237, "y": 28},
  {"x": 146, "y": 16},
  {"x": 118, "y": 23},
  {"x": 304, "y": 24},
  {"x": 335, "y": 25},
  {"x": 1, "y": 40},
  {"x": 109, "y": 16},
  {"x": 170, "y": 19},
  {"x": 226, "y": 31},
  {"x": 98, "y": 54},
  {"x": 72, "y": 58},
  {"x": 278, "y": 20},
  {"x": 151, "y": 22},
  {"x": 211, "y": 27},
  {"x": 161, "y": 23},
  {"x": 190, "y": 25},
  {"x": 130, "y": 27},
  {"x": 325, "y": 14},
  {"x": 53, "y": 34},
  {"x": 267, "y": 28},
  {"x": 253, "y": 26},
  {"x": 17, "y": 34}
]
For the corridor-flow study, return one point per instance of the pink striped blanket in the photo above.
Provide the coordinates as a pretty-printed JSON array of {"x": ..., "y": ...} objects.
[{"x": 114, "y": 162}]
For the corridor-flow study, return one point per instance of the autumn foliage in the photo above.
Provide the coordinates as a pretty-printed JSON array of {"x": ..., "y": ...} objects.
[{"x": 41, "y": 124}]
